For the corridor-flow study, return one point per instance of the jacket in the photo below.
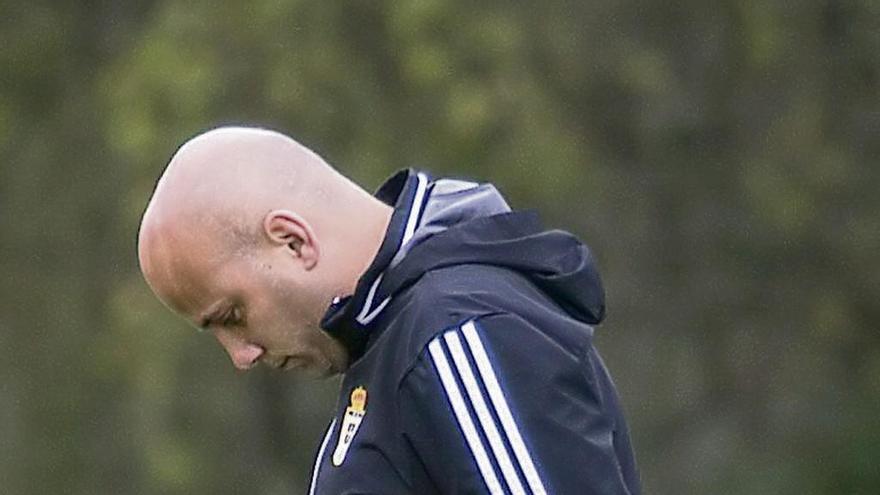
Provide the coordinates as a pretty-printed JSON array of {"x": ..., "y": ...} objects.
[{"x": 472, "y": 367}]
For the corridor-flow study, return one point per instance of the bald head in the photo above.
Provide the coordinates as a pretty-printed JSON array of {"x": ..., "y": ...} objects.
[
  {"x": 228, "y": 175},
  {"x": 251, "y": 234},
  {"x": 209, "y": 200}
]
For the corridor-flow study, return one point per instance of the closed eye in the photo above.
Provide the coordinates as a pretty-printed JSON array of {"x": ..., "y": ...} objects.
[
  {"x": 232, "y": 317},
  {"x": 228, "y": 319}
]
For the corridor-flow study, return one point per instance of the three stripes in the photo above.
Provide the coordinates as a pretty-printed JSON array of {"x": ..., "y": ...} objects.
[{"x": 451, "y": 343}]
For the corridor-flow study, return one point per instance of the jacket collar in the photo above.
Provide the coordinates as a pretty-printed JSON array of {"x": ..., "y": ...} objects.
[{"x": 348, "y": 319}]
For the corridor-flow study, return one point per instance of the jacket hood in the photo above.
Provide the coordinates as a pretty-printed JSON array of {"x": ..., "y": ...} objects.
[
  {"x": 554, "y": 260},
  {"x": 445, "y": 222}
]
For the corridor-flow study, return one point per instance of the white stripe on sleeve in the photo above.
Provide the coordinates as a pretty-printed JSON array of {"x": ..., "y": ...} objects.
[
  {"x": 486, "y": 420},
  {"x": 500, "y": 404},
  {"x": 464, "y": 418}
]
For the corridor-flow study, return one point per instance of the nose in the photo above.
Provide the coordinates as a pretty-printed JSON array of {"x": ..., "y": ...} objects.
[{"x": 244, "y": 355}]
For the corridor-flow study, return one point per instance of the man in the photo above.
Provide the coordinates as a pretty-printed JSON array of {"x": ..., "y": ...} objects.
[{"x": 464, "y": 330}]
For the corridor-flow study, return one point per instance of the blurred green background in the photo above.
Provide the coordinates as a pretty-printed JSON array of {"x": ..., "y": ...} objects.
[{"x": 721, "y": 159}]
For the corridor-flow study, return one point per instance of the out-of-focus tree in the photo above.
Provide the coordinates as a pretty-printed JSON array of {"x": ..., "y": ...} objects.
[{"x": 718, "y": 157}]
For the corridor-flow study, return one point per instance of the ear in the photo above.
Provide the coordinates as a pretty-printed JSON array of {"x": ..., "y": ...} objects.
[{"x": 286, "y": 228}]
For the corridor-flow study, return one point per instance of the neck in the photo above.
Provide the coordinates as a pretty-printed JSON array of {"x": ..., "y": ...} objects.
[{"x": 368, "y": 227}]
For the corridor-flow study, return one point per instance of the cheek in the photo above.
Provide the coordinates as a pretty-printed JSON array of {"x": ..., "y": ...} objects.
[
  {"x": 281, "y": 306},
  {"x": 292, "y": 300},
  {"x": 274, "y": 314}
]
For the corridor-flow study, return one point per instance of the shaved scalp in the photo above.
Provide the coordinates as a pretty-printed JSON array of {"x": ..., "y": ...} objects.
[
  {"x": 226, "y": 176},
  {"x": 252, "y": 235},
  {"x": 218, "y": 188}
]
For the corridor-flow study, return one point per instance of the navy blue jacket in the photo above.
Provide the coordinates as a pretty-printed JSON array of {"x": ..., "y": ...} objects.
[{"x": 472, "y": 364}]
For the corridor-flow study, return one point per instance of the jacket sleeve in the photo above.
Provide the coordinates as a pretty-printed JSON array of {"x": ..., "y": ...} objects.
[{"x": 497, "y": 406}]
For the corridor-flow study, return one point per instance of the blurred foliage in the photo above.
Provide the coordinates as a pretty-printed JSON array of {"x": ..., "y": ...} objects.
[{"x": 719, "y": 157}]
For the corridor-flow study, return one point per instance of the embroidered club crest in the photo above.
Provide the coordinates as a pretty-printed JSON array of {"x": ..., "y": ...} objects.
[{"x": 354, "y": 415}]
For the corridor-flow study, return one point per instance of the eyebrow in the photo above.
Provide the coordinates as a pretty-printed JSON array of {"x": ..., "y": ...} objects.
[{"x": 211, "y": 314}]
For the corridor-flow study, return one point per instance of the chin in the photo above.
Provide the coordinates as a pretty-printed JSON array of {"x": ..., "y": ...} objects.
[
  {"x": 318, "y": 369},
  {"x": 327, "y": 375},
  {"x": 326, "y": 371}
]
